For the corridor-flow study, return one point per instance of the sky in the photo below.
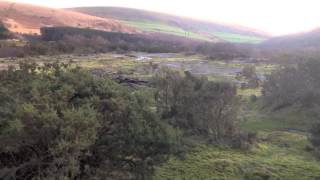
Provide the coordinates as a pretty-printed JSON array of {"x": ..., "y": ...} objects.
[{"x": 276, "y": 17}]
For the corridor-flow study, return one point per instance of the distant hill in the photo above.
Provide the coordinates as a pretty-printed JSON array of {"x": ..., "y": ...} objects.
[
  {"x": 25, "y": 18},
  {"x": 302, "y": 40},
  {"x": 163, "y": 23}
]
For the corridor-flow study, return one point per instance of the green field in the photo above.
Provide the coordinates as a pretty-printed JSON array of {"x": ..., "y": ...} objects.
[
  {"x": 281, "y": 158},
  {"x": 237, "y": 38},
  {"x": 173, "y": 30},
  {"x": 167, "y": 29}
]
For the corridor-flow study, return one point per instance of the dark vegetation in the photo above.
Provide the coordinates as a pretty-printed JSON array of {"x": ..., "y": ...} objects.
[
  {"x": 111, "y": 40},
  {"x": 309, "y": 39},
  {"x": 224, "y": 51},
  {"x": 59, "y": 122},
  {"x": 295, "y": 85},
  {"x": 295, "y": 48},
  {"x": 298, "y": 87},
  {"x": 249, "y": 74},
  {"x": 66, "y": 40},
  {"x": 4, "y": 32},
  {"x": 198, "y": 106}
]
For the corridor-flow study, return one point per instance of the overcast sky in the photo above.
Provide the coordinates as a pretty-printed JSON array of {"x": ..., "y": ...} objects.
[{"x": 276, "y": 17}]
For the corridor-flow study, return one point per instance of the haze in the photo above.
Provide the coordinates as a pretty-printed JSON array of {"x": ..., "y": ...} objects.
[{"x": 271, "y": 16}]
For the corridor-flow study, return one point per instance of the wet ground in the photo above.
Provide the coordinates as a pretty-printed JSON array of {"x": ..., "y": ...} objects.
[{"x": 200, "y": 66}]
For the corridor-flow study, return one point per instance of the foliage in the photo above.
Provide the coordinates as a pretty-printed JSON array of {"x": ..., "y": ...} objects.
[
  {"x": 249, "y": 73},
  {"x": 62, "y": 123},
  {"x": 4, "y": 32},
  {"x": 120, "y": 41},
  {"x": 196, "y": 105},
  {"x": 68, "y": 40},
  {"x": 297, "y": 87},
  {"x": 280, "y": 156},
  {"x": 293, "y": 86},
  {"x": 225, "y": 51}
]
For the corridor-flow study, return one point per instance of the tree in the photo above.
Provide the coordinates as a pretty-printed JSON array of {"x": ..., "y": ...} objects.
[
  {"x": 290, "y": 86},
  {"x": 4, "y": 32},
  {"x": 196, "y": 105},
  {"x": 250, "y": 74}
]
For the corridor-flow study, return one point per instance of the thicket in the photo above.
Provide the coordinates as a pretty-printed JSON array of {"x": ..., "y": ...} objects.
[
  {"x": 112, "y": 41},
  {"x": 293, "y": 85},
  {"x": 68, "y": 40},
  {"x": 200, "y": 107},
  {"x": 224, "y": 51},
  {"x": 60, "y": 122},
  {"x": 296, "y": 86}
]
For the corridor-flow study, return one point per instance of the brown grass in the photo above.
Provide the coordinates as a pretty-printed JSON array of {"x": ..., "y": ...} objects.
[{"x": 25, "y": 18}]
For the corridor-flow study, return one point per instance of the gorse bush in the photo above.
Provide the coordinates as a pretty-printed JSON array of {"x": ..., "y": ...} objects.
[{"x": 60, "y": 122}]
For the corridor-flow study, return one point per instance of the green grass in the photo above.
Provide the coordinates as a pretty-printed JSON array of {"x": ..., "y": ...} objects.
[
  {"x": 173, "y": 30},
  {"x": 167, "y": 29},
  {"x": 237, "y": 38},
  {"x": 280, "y": 157},
  {"x": 279, "y": 153}
]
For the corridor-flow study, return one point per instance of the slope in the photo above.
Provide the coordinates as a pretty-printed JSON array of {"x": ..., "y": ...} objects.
[
  {"x": 25, "y": 18},
  {"x": 163, "y": 23},
  {"x": 301, "y": 40}
]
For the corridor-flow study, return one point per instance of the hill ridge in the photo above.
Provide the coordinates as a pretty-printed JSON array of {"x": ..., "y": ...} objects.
[{"x": 28, "y": 18}]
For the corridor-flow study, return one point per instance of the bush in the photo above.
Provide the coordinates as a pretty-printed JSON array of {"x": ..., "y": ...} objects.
[
  {"x": 249, "y": 73},
  {"x": 59, "y": 122},
  {"x": 196, "y": 105},
  {"x": 315, "y": 138},
  {"x": 290, "y": 86}
]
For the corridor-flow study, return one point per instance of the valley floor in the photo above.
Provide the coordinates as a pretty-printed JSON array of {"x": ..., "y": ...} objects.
[
  {"x": 278, "y": 155},
  {"x": 280, "y": 152}
]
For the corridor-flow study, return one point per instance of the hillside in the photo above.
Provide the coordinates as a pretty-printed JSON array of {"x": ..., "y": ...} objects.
[
  {"x": 25, "y": 18},
  {"x": 158, "y": 22},
  {"x": 302, "y": 40}
]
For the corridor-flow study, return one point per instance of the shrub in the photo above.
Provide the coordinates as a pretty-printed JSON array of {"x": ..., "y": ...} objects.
[
  {"x": 59, "y": 122},
  {"x": 293, "y": 86},
  {"x": 250, "y": 75},
  {"x": 197, "y": 105}
]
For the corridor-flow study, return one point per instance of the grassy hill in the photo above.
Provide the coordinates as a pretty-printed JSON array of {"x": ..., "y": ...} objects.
[
  {"x": 169, "y": 24},
  {"x": 25, "y": 18},
  {"x": 28, "y": 19}
]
